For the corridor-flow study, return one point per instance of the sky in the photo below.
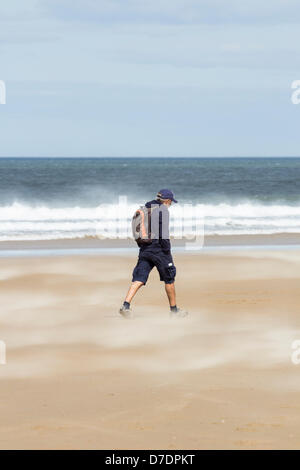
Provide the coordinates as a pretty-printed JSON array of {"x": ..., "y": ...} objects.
[{"x": 149, "y": 78}]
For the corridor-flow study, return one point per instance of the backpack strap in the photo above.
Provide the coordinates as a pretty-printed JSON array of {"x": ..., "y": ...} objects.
[{"x": 143, "y": 228}]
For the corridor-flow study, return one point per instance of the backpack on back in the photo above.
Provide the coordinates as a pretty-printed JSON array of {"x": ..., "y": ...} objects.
[{"x": 141, "y": 225}]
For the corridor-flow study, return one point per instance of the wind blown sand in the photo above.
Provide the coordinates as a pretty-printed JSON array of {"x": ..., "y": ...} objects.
[{"x": 80, "y": 376}]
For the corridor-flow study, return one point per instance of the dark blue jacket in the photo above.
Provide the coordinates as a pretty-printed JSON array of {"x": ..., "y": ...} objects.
[{"x": 163, "y": 243}]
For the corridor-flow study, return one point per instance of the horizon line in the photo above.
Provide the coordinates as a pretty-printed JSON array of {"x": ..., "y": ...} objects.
[{"x": 152, "y": 156}]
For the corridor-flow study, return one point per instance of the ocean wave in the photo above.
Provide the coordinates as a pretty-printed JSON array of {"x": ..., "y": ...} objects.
[{"x": 24, "y": 222}]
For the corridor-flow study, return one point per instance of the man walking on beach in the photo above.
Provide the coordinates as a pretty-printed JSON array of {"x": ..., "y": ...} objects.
[{"x": 155, "y": 251}]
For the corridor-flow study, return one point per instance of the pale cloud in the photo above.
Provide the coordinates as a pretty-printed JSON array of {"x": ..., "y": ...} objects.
[
  {"x": 175, "y": 11},
  {"x": 15, "y": 11}
]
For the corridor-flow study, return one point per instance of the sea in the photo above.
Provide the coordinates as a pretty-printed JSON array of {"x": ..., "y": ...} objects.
[{"x": 76, "y": 198}]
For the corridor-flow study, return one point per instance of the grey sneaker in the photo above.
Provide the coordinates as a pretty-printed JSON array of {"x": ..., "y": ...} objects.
[
  {"x": 125, "y": 312},
  {"x": 179, "y": 313}
]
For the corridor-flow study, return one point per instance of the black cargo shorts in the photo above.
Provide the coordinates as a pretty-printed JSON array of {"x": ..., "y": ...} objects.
[{"x": 146, "y": 262}]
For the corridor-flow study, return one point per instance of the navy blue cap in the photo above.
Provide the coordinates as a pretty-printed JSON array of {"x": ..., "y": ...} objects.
[{"x": 166, "y": 194}]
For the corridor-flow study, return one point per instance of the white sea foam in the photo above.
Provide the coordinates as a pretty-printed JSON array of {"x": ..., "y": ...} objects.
[{"x": 23, "y": 222}]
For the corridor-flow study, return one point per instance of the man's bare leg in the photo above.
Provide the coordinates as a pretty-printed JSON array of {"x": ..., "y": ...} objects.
[
  {"x": 133, "y": 290},
  {"x": 175, "y": 311},
  {"x": 170, "y": 290},
  {"x": 125, "y": 309}
]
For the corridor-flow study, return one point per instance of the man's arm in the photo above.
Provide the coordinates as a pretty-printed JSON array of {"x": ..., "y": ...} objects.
[{"x": 164, "y": 236}]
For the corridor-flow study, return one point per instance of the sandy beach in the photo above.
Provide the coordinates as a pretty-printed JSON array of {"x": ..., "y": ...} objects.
[{"x": 79, "y": 377}]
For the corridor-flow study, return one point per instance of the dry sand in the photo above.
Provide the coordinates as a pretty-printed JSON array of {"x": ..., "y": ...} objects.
[{"x": 78, "y": 376}]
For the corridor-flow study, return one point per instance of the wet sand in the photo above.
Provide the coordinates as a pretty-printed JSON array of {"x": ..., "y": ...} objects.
[
  {"x": 78, "y": 376},
  {"x": 283, "y": 240}
]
